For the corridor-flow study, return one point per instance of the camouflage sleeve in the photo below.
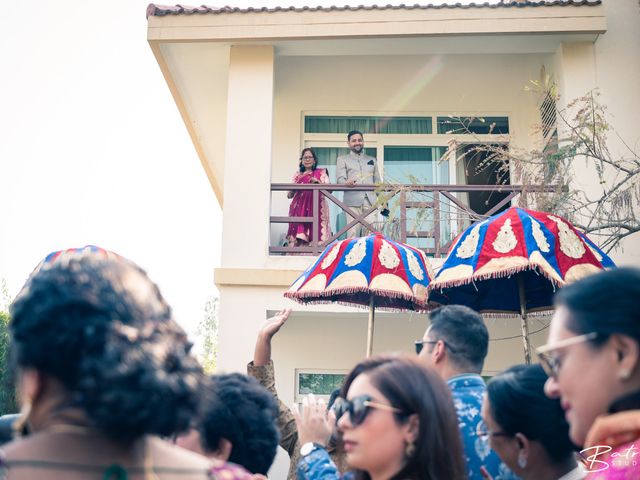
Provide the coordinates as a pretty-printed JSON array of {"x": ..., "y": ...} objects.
[{"x": 286, "y": 423}]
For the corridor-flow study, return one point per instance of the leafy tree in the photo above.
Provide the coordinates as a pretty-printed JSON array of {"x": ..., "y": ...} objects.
[
  {"x": 7, "y": 389},
  {"x": 207, "y": 331},
  {"x": 576, "y": 139}
]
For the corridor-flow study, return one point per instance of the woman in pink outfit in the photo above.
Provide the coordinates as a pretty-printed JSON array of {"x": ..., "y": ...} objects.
[{"x": 301, "y": 233}]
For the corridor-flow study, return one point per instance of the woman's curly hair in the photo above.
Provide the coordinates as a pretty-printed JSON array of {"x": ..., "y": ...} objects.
[{"x": 94, "y": 321}]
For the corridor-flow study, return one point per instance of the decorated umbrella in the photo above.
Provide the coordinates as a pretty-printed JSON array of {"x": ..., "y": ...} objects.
[
  {"x": 513, "y": 262},
  {"x": 371, "y": 271}
]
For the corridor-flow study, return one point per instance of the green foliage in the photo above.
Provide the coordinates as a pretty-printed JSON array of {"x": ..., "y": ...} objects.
[
  {"x": 207, "y": 332},
  {"x": 7, "y": 389}
]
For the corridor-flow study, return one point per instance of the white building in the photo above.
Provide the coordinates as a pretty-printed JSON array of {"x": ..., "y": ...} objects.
[{"x": 250, "y": 83}]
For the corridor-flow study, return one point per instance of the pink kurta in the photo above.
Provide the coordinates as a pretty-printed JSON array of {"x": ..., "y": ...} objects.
[{"x": 302, "y": 206}]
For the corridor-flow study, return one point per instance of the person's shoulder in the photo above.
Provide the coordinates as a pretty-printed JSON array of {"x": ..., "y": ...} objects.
[
  {"x": 23, "y": 448},
  {"x": 170, "y": 454},
  {"x": 228, "y": 471}
]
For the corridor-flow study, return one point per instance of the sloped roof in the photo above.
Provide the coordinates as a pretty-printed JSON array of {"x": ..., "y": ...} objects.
[{"x": 162, "y": 10}]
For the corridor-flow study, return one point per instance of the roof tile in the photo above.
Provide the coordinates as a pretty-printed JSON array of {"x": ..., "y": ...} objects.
[{"x": 162, "y": 10}]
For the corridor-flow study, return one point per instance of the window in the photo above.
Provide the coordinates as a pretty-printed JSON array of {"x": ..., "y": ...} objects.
[
  {"x": 408, "y": 164},
  {"x": 368, "y": 125},
  {"x": 471, "y": 125},
  {"x": 411, "y": 149},
  {"x": 319, "y": 382}
]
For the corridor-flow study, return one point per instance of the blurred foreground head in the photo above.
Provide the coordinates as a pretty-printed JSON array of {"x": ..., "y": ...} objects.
[
  {"x": 94, "y": 339},
  {"x": 237, "y": 423}
]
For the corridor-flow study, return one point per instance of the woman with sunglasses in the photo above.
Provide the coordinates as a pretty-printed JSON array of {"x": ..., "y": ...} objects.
[
  {"x": 397, "y": 421},
  {"x": 527, "y": 429},
  {"x": 593, "y": 361}
]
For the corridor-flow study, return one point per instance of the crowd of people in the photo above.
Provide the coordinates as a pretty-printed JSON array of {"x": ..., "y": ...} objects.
[{"x": 110, "y": 390}]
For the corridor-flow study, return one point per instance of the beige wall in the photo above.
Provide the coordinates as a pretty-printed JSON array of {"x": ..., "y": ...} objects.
[{"x": 418, "y": 84}]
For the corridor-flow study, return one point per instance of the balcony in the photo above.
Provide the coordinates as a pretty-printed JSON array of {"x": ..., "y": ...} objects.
[{"x": 429, "y": 217}]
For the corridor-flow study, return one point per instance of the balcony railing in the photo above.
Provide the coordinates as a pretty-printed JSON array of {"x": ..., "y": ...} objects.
[{"x": 448, "y": 213}]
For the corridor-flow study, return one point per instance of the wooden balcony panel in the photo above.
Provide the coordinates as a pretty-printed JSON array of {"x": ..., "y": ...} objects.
[{"x": 457, "y": 213}]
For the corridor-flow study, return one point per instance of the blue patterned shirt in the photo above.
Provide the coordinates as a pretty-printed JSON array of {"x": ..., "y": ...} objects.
[{"x": 467, "y": 391}]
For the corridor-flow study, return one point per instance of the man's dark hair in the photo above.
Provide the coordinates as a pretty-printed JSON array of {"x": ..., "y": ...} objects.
[
  {"x": 464, "y": 333},
  {"x": 354, "y": 132},
  {"x": 237, "y": 408},
  {"x": 518, "y": 404}
]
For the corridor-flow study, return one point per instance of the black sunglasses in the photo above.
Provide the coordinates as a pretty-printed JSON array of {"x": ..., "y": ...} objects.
[
  {"x": 358, "y": 408},
  {"x": 419, "y": 344}
]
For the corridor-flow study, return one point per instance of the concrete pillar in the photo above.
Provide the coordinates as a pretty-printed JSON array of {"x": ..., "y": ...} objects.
[{"x": 245, "y": 228}]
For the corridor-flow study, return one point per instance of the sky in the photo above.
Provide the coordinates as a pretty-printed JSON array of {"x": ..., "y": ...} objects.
[{"x": 94, "y": 151}]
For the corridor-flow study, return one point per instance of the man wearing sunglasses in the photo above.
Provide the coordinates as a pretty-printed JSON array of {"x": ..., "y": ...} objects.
[{"x": 455, "y": 346}]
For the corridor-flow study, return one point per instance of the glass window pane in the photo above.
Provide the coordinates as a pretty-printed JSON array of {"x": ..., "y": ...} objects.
[
  {"x": 319, "y": 383},
  {"x": 380, "y": 125},
  {"x": 477, "y": 125},
  {"x": 418, "y": 165}
]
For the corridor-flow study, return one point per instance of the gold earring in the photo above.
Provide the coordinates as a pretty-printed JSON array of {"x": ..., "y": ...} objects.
[{"x": 20, "y": 424}]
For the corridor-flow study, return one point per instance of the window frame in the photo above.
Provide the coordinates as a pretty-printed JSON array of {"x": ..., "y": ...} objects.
[
  {"x": 321, "y": 371},
  {"x": 380, "y": 141}
]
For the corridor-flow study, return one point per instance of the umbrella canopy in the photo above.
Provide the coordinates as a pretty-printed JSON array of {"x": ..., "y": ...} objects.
[
  {"x": 358, "y": 271},
  {"x": 545, "y": 250}
]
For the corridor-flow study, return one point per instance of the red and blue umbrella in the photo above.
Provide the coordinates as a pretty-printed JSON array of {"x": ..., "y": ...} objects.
[
  {"x": 513, "y": 262},
  {"x": 371, "y": 271}
]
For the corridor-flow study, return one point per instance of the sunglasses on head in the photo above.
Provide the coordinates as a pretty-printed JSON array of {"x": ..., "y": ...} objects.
[{"x": 358, "y": 408}]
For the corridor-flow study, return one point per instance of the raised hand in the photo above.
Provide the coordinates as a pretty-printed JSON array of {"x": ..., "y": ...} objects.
[{"x": 262, "y": 353}]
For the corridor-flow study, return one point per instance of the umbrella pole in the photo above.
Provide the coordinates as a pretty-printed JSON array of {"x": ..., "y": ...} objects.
[
  {"x": 524, "y": 321},
  {"x": 372, "y": 313}
]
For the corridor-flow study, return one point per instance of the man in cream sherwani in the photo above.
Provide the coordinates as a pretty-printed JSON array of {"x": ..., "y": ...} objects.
[{"x": 358, "y": 168}]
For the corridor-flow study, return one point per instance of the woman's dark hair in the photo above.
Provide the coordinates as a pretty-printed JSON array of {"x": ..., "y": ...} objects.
[
  {"x": 519, "y": 405},
  {"x": 237, "y": 408},
  {"x": 315, "y": 159},
  {"x": 414, "y": 389},
  {"x": 605, "y": 303},
  {"x": 95, "y": 322}
]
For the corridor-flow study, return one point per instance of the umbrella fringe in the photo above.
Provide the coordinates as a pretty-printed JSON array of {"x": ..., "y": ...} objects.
[
  {"x": 352, "y": 290},
  {"x": 361, "y": 306},
  {"x": 439, "y": 284},
  {"x": 325, "y": 298},
  {"x": 508, "y": 315}
]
